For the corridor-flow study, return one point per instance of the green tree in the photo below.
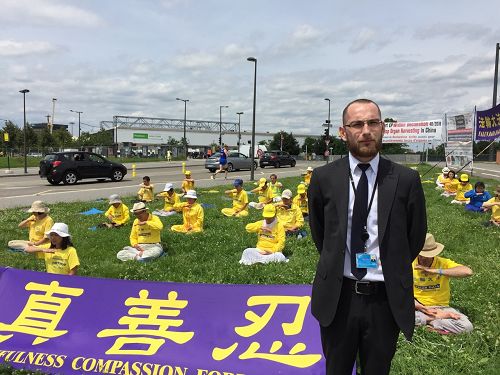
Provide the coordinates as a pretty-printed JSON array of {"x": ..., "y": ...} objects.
[
  {"x": 15, "y": 135},
  {"x": 308, "y": 144},
  {"x": 46, "y": 140},
  {"x": 62, "y": 138},
  {"x": 287, "y": 140},
  {"x": 173, "y": 142},
  {"x": 31, "y": 137}
]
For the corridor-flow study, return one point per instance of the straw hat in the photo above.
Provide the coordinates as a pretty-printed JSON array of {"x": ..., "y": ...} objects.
[
  {"x": 309, "y": 169},
  {"x": 191, "y": 194},
  {"x": 60, "y": 229},
  {"x": 301, "y": 189},
  {"x": 431, "y": 247},
  {"x": 115, "y": 198},
  {"x": 445, "y": 170},
  {"x": 39, "y": 206},
  {"x": 269, "y": 211},
  {"x": 138, "y": 206}
]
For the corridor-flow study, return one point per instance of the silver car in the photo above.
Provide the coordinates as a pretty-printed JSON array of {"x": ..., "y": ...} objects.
[{"x": 235, "y": 161}]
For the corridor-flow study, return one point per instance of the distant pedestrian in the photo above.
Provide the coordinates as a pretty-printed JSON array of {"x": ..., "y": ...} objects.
[
  {"x": 224, "y": 153},
  {"x": 169, "y": 155}
]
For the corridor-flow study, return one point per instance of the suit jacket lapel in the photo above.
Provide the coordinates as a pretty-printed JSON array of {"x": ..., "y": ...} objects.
[
  {"x": 387, "y": 184},
  {"x": 343, "y": 195}
]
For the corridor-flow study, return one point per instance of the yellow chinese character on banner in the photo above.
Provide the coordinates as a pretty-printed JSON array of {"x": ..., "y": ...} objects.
[
  {"x": 148, "y": 312},
  {"x": 487, "y": 120},
  {"x": 293, "y": 357},
  {"x": 42, "y": 312},
  {"x": 481, "y": 123}
]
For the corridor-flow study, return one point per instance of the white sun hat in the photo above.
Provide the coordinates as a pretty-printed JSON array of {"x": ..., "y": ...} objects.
[
  {"x": 60, "y": 229},
  {"x": 191, "y": 194}
]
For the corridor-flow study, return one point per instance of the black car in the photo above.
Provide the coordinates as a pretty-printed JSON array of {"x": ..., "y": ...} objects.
[
  {"x": 276, "y": 159},
  {"x": 69, "y": 167}
]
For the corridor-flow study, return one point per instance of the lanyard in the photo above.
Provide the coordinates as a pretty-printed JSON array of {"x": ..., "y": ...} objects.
[{"x": 364, "y": 235}]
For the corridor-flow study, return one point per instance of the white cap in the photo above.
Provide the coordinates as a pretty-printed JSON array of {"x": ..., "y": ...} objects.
[
  {"x": 191, "y": 194},
  {"x": 287, "y": 194},
  {"x": 168, "y": 186},
  {"x": 60, "y": 229}
]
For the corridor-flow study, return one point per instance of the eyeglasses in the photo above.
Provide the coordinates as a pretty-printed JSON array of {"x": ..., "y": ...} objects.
[{"x": 358, "y": 125}]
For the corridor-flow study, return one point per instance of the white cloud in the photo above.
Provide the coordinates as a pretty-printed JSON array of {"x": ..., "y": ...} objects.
[
  {"x": 453, "y": 30},
  {"x": 195, "y": 60},
  {"x": 367, "y": 38},
  {"x": 305, "y": 34},
  {"x": 11, "y": 48},
  {"x": 46, "y": 12}
]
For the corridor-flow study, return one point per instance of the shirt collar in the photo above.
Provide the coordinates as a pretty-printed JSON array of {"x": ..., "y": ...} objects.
[{"x": 353, "y": 163}]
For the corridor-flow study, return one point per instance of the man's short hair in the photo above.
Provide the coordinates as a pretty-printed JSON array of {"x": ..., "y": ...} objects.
[{"x": 361, "y": 101}]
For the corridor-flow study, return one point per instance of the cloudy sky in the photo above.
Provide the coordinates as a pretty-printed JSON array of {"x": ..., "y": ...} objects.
[{"x": 418, "y": 59}]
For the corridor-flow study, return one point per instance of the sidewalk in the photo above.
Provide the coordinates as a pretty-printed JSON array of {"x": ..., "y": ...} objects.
[{"x": 33, "y": 171}]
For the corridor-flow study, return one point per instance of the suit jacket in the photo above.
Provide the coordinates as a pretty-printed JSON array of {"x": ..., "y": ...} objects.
[{"x": 402, "y": 226}]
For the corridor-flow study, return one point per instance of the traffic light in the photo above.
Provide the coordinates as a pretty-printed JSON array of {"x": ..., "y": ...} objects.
[{"x": 327, "y": 132}]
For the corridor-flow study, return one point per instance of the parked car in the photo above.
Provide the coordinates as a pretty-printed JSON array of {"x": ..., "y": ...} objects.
[
  {"x": 276, "y": 159},
  {"x": 235, "y": 161},
  {"x": 69, "y": 167}
]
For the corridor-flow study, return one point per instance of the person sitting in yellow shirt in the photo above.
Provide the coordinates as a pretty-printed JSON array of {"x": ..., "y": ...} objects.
[
  {"x": 187, "y": 183},
  {"x": 192, "y": 214},
  {"x": 494, "y": 205},
  {"x": 171, "y": 199},
  {"x": 463, "y": 187},
  {"x": 271, "y": 239},
  {"x": 431, "y": 288},
  {"x": 145, "y": 239},
  {"x": 240, "y": 200},
  {"x": 59, "y": 254},
  {"x": 308, "y": 175},
  {"x": 117, "y": 213},
  {"x": 290, "y": 215},
  {"x": 265, "y": 194},
  {"x": 450, "y": 185},
  {"x": 38, "y": 223},
  {"x": 441, "y": 178},
  {"x": 146, "y": 193},
  {"x": 275, "y": 185},
  {"x": 301, "y": 200}
]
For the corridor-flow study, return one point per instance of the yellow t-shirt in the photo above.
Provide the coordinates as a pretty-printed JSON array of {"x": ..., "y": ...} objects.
[
  {"x": 147, "y": 233},
  {"x": 272, "y": 242},
  {"x": 187, "y": 185},
  {"x": 461, "y": 190},
  {"x": 61, "y": 261},
  {"x": 302, "y": 203},
  {"x": 290, "y": 217},
  {"x": 431, "y": 289},
  {"x": 307, "y": 178},
  {"x": 192, "y": 216},
  {"x": 495, "y": 210},
  {"x": 451, "y": 186},
  {"x": 120, "y": 214},
  {"x": 170, "y": 200},
  {"x": 276, "y": 188},
  {"x": 146, "y": 193},
  {"x": 39, "y": 227},
  {"x": 239, "y": 199},
  {"x": 265, "y": 195}
]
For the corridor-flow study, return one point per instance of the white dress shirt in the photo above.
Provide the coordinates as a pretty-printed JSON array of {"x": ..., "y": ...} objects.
[{"x": 372, "y": 244}]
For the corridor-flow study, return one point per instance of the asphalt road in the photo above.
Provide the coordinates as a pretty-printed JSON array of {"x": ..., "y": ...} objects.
[{"x": 21, "y": 190}]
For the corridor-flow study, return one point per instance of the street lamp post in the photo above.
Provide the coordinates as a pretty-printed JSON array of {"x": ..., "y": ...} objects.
[
  {"x": 79, "y": 126},
  {"x": 185, "y": 140},
  {"x": 53, "y": 114},
  {"x": 24, "y": 129},
  {"x": 220, "y": 124},
  {"x": 239, "y": 129},
  {"x": 327, "y": 134},
  {"x": 252, "y": 148}
]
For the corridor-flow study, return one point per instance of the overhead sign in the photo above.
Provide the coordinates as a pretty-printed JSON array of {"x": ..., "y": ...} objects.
[
  {"x": 80, "y": 325},
  {"x": 459, "y": 128},
  {"x": 411, "y": 132}
]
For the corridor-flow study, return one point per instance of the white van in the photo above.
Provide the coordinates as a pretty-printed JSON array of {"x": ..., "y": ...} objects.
[{"x": 260, "y": 149}]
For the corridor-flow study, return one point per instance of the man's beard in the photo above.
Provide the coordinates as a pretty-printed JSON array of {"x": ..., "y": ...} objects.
[{"x": 365, "y": 151}]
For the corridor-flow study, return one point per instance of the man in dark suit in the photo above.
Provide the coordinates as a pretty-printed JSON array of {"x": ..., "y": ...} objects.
[{"x": 368, "y": 221}]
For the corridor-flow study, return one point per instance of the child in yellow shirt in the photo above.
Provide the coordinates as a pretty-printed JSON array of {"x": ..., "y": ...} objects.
[
  {"x": 463, "y": 187},
  {"x": 187, "y": 183},
  {"x": 146, "y": 191}
]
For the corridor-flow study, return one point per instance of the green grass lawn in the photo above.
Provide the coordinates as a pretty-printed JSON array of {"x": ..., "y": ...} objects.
[{"x": 212, "y": 257}]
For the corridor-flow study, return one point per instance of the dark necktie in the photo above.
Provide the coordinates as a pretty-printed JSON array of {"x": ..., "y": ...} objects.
[{"x": 359, "y": 218}]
